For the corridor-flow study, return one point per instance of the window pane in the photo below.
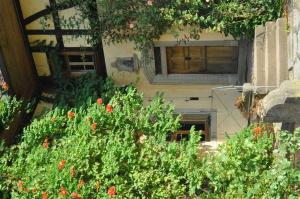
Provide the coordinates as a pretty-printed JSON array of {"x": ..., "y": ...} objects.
[
  {"x": 186, "y": 60},
  {"x": 176, "y": 62},
  {"x": 222, "y": 59},
  {"x": 80, "y": 58},
  {"x": 157, "y": 57}
]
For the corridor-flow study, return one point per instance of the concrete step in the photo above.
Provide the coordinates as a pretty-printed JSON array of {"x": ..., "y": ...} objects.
[
  {"x": 270, "y": 64},
  {"x": 270, "y": 54},
  {"x": 281, "y": 51},
  {"x": 258, "y": 76}
]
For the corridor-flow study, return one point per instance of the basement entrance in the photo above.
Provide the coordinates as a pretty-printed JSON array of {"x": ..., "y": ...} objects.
[{"x": 201, "y": 122}]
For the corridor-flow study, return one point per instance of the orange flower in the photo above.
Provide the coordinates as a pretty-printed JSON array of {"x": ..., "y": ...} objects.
[
  {"x": 94, "y": 126},
  {"x": 99, "y": 101},
  {"x": 97, "y": 186},
  {"x": 63, "y": 192},
  {"x": 75, "y": 195},
  {"x": 20, "y": 185},
  {"x": 46, "y": 143},
  {"x": 72, "y": 171},
  {"x": 109, "y": 108},
  {"x": 257, "y": 131},
  {"x": 5, "y": 86},
  {"x": 34, "y": 190},
  {"x": 111, "y": 191},
  {"x": 44, "y": 195},
  {"x": 61, "y": 165},
  {"x": 80, "y": 184},
  {"x": 71, "y": 115}
]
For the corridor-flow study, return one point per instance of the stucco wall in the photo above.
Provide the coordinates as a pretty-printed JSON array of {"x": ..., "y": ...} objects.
[
  {"x": 228, "y": 118},
  {"x": 294, "y": 39},
  {"x": 30, "y": 7}
]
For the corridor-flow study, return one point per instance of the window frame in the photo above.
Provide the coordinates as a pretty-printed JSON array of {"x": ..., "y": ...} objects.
[
  {"x": 68, "y": 64},
  {"x": 211, "y": 79}
]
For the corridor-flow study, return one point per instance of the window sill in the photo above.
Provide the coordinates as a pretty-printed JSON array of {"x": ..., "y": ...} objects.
[{"x": 224, "y": 79}]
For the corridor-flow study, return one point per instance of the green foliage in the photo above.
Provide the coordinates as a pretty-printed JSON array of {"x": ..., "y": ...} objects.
[
  {"x": 143, "y": 21},
  {"x": 83, "y": 90},
  {"x": 248, "y": 166},
  {"x": 9, "y": 106},
  {"x": 121, "y": 144},
  {"x": 126, "y": 149}
]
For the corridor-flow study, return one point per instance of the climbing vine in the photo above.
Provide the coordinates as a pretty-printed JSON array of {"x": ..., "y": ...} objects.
[{"x": 143, "y": 21}]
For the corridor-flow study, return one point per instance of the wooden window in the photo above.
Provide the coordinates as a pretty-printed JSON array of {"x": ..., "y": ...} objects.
[
  {"x": 198, "y": 60},
  {"x": 77, "y": 63}
]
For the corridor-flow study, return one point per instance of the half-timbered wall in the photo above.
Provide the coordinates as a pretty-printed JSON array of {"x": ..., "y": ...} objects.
[{"x": 42, "y": 23}]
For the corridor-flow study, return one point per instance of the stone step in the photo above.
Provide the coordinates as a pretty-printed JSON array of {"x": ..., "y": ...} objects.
[
  {"x": 258, "y": 75},
  {"x": 270, "y": 54},
  {"x": 281, "y": 51},
  {"x": 270, "y": 64}
]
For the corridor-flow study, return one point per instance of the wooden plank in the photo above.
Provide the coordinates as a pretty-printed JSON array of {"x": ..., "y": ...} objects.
[{"x": 18, "y": 60}]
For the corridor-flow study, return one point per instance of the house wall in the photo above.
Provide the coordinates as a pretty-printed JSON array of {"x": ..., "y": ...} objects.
[
  {"x": 14, "y": 55},
  {"x": 31, "y": 7},
  {"x": 211, "y": 98}
]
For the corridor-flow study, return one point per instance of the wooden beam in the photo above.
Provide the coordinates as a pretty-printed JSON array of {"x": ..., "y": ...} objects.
[
  {"x": 37, "y": 15},
  {"x": 56, "y": 22},
  {"x": 58, "y": 32}
]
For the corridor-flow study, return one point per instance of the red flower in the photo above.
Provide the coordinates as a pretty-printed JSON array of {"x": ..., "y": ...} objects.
[
  {"x": 111, "y": 191},
  {"x": 94, "y": 126},
  {"x": 61, "y": 165},
  {"x": 63, "y": 192},
  {"x": 20, "y": 185},
  {"x": 46, "y": 143},
  {"x": 80, "y": 184},
  {"x": 71, "y": 115},
  {"x": 5, "y": 86},
  {"x": 75, "y": 195},
  {"x": 109, "y": 108},
  {"x": 44, "y": 195},
  {"x": 257, "y": 131},
  {"x": 72, "y": 171},
  {"x": 99, "y": 101}
]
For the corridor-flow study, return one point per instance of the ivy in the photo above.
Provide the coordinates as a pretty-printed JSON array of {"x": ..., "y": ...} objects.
[{"x": 144, "y": 21}]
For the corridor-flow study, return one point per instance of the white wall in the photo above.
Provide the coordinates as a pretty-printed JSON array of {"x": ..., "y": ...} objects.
[{"x": 228, "y": 117}]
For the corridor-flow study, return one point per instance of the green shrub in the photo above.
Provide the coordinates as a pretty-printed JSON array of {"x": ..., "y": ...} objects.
[
  {"x": 8, "y": 107},
  {"x": 93, "y": 151},
  {"x": 120, "y": 150}
]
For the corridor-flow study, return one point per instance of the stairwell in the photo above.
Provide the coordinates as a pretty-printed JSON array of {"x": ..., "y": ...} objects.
[{"x": 270, "y": 64}]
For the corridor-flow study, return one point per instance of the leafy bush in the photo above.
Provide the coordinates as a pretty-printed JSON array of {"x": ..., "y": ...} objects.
[
  {"x": 120, "y": 150},
  {"x": 8, "y": 107},
  {"x": 83, "y": 90},
  {"x": 249, "y": 165}
]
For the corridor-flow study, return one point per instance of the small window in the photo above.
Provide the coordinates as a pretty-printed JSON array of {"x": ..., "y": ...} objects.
[{"x": 79, "y": 62}]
